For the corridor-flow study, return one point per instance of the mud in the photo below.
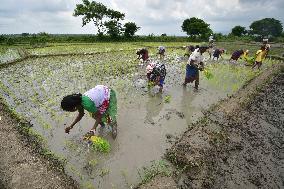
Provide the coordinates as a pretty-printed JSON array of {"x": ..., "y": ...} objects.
[
  {"x": 238, "y": 148},
  {"x": 20, "y": 166},
  {"x": 144, "y": 119},
  {"x": 147, "y": 124}
]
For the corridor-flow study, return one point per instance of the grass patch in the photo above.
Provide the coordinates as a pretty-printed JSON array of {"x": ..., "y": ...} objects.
[{"x": 160, "y": 167}]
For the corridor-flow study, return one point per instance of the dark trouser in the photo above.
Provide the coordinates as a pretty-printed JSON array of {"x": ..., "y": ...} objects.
[
  {"x": 258, "y": 64},
  {"x": 148, "y": 76},
  {"x": 191, "y": 79}
]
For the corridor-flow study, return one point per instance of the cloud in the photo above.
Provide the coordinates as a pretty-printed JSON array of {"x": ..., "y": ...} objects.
[{"x": 153, "y": 16}]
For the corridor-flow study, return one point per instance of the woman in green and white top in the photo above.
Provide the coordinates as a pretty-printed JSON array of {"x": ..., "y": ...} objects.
[{"x": 100, "y": 101}]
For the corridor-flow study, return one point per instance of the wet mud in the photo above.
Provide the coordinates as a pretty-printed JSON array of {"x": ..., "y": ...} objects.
[
  {"x": 147, "y": 124},
  {"x": 234, "y": 149}
]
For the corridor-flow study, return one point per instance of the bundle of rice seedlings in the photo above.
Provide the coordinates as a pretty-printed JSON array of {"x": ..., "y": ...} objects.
[
  {"x": 100, "y": 144},
  {"x": 250, "y": 60},
  {"x": 168, "y": 98}
]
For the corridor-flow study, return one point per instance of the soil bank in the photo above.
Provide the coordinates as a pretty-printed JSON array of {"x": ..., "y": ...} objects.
[{"x": 238, "y": 144}]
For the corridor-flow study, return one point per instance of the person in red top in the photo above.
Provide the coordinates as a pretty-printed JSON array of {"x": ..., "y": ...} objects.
[{"x": 143, "y": 53}]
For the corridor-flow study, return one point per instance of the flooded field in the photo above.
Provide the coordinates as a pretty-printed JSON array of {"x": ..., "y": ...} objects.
[{"x": 147, "y": 122}]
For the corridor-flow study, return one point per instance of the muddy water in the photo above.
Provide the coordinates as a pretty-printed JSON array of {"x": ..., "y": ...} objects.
[
  {"x": 144, "y": 118},
  {"x": 143, "y": 127}
]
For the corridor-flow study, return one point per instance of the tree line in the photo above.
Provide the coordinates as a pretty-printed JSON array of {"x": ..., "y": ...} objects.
[
  {"x": 264, "y": 28},
  {"x": 108, "y": 23}
]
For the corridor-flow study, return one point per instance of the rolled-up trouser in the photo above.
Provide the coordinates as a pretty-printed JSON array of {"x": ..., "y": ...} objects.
[{"x": 191, "y": 79}]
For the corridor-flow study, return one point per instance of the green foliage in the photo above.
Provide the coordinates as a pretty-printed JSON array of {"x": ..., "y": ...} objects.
[
  {"x": 97, "y": 12},
  {"x": 130, "y": 29},
  {"x": 168, "y": 98},
  {"x": 208, "y": 74},
  {"x": 93, "y": 163},
  {"x": 2, "y": 38},
  {"x": 238, "y": 31},
  {"x": 10, "y": 41},
  {"x": 103, "y": 172},
  {"x": 92, "y": 11},
  {"x": 88, "y": 185},
  {"x": 266, "y": 27},
  {"x": 217, "y": 36},
  {"x": 196, "y": 27},
  {"x": 115, "y": 15},
  {"x": 160, "y": 167},
  {"x": 113, "y": 28},
  {"x": 25, "y": 34},
  {"x": 100, "y": 144}
]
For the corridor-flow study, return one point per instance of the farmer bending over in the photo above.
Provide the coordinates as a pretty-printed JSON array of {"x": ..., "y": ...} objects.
[
  {"x": 218, "y": 53},
  {"x": 236, "y": 55},
  {"x": 100, "y": 102},
  {"x": 156, "y": 74},
  {"x": 143, "y": 53},
  {"x": 195, "y": 63},
  {"x": 161, "y": 52}
]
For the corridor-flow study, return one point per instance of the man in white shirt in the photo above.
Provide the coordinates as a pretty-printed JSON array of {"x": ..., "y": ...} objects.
[{"x": 195, "y": 63}]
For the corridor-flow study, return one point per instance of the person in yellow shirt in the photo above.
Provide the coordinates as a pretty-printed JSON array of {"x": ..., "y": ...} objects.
[
  {"x": 249, "y": 60},
  {"x": 260, "y": 55}
]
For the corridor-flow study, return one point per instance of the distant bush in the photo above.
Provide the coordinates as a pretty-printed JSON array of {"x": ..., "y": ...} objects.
[{"x": 42, "y": 39}]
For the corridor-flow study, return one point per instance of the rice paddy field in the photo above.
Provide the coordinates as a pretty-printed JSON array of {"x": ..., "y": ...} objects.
[{"x": 33, "y": 89}]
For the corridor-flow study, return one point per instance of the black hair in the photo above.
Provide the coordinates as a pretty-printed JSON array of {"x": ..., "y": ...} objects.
[
  {"x": 191, "y": 48},
  {"x": 262, "y": 47},
  {"x": 69, "y": 102},
  {"x": 203, "y": 49}
]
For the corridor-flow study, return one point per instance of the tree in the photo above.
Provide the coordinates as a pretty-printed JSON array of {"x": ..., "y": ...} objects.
[
  {"x": 113, "y": 26},
  {"x": 266, "y": 27},
  {"x": 130, "y": 29},
  {"x": 196, "y": 27},
  {"x": 2, "y": 38},
  {"x": 25, "y": 34},
  {"x": 92, "y": 11},
  {"x": 115, "y": 15},
  {"x": 238, "y": 31},
  {"x": 218, "y": 36}
]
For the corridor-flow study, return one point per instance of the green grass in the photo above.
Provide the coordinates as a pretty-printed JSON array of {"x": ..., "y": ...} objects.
[{"x": 160, "y": 167}]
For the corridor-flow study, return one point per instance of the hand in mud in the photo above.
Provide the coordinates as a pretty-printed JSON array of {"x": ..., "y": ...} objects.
[{"x": 67, "y": 130}]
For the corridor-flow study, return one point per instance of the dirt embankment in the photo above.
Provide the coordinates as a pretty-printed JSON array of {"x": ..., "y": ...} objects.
[
  {"x": 238, "y": 144},
  {"x": 20, "y": 166}
]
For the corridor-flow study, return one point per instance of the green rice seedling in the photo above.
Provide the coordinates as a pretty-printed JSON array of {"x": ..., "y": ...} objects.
[
  {"x": 168, "y": 98},
  {"x": 100, "y": 144},
  {"x": 71, "y": 145},
  {"x": 160, "y": 167},
  {"x": 103, "y": 172},
  {"x": 208, "y": 74},
  {"x": 88, "y": 185},
  {"x": 93, "y": 163}
]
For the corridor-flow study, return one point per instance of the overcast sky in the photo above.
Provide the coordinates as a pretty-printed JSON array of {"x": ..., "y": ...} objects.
[{"x": 153, "y": 16}]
